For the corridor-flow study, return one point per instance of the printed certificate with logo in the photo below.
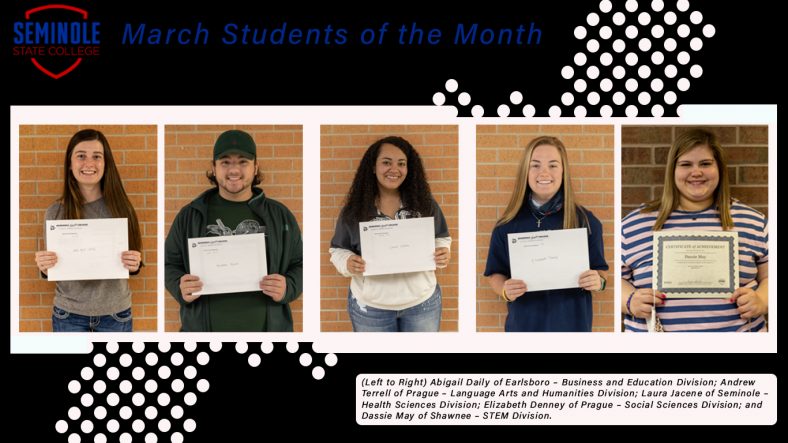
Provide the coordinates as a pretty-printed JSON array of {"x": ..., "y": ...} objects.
[
  {"x": 696, "y": 264},
  {"x": 88, "y": 249},
  {"x": 397, "y": 246},
  {"x": 226, "y": 264},
  {"x": 549, "y": 259}
]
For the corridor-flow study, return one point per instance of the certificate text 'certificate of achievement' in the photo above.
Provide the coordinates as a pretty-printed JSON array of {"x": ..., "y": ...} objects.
[
  {"x": 232, "y": 263},
  {"x": 88, "y": 249},
  {"x": 549, "y": 259},
  {"x": 397, "y": 246},
  {"x": 702, "y": 264}
]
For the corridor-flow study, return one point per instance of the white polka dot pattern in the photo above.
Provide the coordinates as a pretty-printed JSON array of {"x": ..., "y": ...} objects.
[
  {"x": 631, "y": 52},
  {"x": 148, "y": 389}
]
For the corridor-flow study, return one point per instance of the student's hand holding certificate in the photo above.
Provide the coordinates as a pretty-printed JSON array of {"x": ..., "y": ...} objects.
[
  {"x": 132, "y": 260},
  {"x": 514, "y": 288},
  {"x": 748, "y": 304},
  {"x": 442, "y": 257},
  {"x": 643, "y": 302},
  {"x": 274, "y": 286},
  {"x": 590, "y": 281},
  {"x": 45, "y": 260},
  {"x": 190, "y": 286},
  {"x": 356, "y": 264}
]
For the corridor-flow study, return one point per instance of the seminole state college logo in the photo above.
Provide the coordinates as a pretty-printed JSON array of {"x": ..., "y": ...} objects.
[{"x": 56, "y": 38}]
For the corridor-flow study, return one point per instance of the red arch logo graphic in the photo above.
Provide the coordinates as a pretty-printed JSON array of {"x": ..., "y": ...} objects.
[{"x": 36, "y": 63}]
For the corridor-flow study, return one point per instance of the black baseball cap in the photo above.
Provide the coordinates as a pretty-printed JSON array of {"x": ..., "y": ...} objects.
[{"x": 235, "y": 141}]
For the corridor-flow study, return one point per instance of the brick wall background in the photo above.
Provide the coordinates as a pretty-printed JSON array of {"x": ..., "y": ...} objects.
[
  {"x": 644, "y": 151},
  {"x": 189, "y": 154},
  {"x": 42, "y": 151},
  {"x": 342, "y": 148},
  {"x": 498, "y": 153}
]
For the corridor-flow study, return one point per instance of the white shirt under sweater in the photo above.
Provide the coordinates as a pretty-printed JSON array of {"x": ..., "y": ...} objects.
[{"x": 393, "y": 291}]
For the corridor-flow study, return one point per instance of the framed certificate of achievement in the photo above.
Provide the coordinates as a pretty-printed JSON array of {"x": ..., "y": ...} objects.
[{"x": 696, "y": 264}]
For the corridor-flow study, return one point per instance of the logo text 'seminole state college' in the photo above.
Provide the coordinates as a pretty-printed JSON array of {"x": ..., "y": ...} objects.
[{"x": 56, "y": 38}]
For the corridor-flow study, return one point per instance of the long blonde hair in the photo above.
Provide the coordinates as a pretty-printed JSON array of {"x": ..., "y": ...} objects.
[
  {"x": 670, "y": 201},
  {"x": 521, "y": 187}
]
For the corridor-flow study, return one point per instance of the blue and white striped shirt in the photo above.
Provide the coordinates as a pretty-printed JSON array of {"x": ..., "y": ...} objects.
[{"x": 691, "y": 315}]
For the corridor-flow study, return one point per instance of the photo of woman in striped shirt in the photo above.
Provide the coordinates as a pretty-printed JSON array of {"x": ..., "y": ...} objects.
[{"x": 696, "y": 196}]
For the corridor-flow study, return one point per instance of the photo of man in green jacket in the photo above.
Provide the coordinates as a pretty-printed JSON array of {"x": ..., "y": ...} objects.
[{"x": 236, "y": 206}]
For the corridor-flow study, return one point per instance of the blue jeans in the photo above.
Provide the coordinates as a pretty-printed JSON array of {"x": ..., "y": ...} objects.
[
  {"x": 424, "y": 317},
  {"x": 64, "y": 321}
]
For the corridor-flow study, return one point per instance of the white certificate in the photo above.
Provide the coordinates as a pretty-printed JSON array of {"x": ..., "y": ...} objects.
[
  {"x": 398, "y": 246},
  {"x": 549, "y": 259},
  {"x": 88, "y": 249},
  {"x": 696, "y": 264},
  {"x": 226, "y": 264}
]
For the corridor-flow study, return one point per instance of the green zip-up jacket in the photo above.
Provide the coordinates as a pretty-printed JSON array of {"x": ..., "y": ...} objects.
[{"x": 284, "y": 254}]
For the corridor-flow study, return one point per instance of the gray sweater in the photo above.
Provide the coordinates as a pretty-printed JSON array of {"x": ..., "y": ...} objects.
[{"x": 90, "y": 297}]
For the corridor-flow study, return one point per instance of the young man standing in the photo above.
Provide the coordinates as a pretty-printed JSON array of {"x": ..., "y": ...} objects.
[{"x": 235, "y": 206}]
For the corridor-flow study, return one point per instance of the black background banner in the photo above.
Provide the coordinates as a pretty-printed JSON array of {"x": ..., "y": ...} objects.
[
  {"x": 738, "y": 61},
  {"x": 245, "y": 403}
]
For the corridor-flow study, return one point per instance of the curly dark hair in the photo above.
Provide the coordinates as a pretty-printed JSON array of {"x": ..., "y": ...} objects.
[{"x": 414, "y": 190}]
